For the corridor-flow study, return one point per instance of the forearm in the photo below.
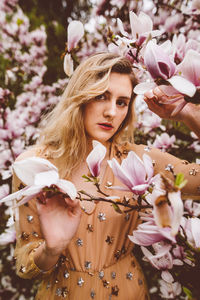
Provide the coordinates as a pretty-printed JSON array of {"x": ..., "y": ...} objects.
[
  {"x": 44, "y": 258},
  {"x": 191, "y": 117}
]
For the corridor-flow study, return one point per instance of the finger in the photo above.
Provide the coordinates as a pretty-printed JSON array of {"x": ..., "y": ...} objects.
[
  {"x": 71, "y": 202},
  {"x": 149, "y": 94},
  {"x": 41, "y": 198}
]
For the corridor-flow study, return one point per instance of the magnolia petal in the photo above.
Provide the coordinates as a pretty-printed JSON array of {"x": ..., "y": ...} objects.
[
  {"x": 177, "y": 206},
  {"x": 140, "y": 189},
  {"x": 26, "y": 199},
  {"x": 27, "y": 169},
  {"x": 144, "y": 87},
  {"x": 95, "y": 158},
  {"x": 114, "y": 198},
  {"x": 68, "y": 65},
  {"x": 16, "y": 195},
  {"x": 190, "y": 67},
  {"x": 148, "y": 165},
  {"x": 183, "y": 85},
  {"x": 117, "y": 187},
  {"x": 145, "y": 238},
  {"x": 120, "y": 173},
  {"x": 46, "y": 178},
  {"x": 167, "y": 276},
  {"x": 75, "y": 32},
  {"x": 140, "y": 24},
  {"x": 67, "y": 187},
  {"x": 158, "y": 62},
  {"x": 134, "y": 167},
  {"x": 195, "y": 225},
  {"x": 121, "y": 27}
]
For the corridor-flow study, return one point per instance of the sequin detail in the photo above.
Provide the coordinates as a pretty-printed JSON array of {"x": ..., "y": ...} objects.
[
  {"x": 105, "y": 283},
  {"x": 127, "y": 217},
  {"x": 113, "y": 275},
  {"x": 101, "y": 274},
  {"x": 169, "y": 167},
  {"x": 88, "y": 265},
  {"x": 21, "y": 186},
  {"x": 79, "y": 242},
  {"x": 109, "y": 240},
  {"x": 140, "y": 282},
  {"x": 129, "y": 275},
  {"x": 115, "y": 290},
  {"x": 30, "y": 219},
  {"x": 147, "y": 148},
  {"x": 66, "y": 274},
  {"x": 22, "y": 269},
  {"x": 101, "y": 217},
  {"x": 35, "y": 234},
  {"x": 48, "y": 285},
  {"x": 193, "y": 172},
  {"x": 62, "y": 292},
  {"x": 80, "y": 281},
  {"x": 92, "y": 294},
  {"x": 24, "y": 236},
  {"x": 90, "y": 228}
]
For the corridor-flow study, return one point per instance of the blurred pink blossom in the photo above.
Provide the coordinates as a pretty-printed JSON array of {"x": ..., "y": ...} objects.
[
  {"x": 162, "y": 259},
  {"x": 164, "y": 141}
]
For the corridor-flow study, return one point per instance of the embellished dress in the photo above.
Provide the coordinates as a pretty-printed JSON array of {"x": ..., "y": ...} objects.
[{"x": 98, "y": 263}]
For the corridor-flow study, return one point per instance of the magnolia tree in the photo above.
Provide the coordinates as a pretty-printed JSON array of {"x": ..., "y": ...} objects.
[{"x": 162, "y": 40}]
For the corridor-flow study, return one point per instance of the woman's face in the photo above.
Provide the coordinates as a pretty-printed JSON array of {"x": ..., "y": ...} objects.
[{"x": 104, "y": 114}]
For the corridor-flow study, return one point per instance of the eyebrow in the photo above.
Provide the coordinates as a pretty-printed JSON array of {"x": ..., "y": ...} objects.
[{"x": 120, "y": 97}]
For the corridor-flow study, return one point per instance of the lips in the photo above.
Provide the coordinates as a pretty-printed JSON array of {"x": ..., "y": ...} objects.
[{"x": 106, "y": 126}]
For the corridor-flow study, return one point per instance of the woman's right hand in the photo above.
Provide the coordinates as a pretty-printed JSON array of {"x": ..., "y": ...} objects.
[{"x": 59, "y": 220}]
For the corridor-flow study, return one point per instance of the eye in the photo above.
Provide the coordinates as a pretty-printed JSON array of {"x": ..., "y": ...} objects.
[
  {"x": 122, "y": 103},
  {"x": 101, "y": 97}
]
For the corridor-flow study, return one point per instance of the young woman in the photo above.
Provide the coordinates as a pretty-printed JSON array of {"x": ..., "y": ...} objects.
[{"x": 82, "y": 250}]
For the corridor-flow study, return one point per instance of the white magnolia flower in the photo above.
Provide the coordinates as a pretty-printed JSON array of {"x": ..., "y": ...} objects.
[{"x": 37, "y": 173}]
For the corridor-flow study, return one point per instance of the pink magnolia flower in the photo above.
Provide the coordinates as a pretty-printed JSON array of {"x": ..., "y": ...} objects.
[
  {"x": 149, "y": 233},
  {"x": 141, "y": 27},
  {"x": 8, "y": 236},
  {"x": 192, "y": 207},
  {"x": 160, "y": 65},
  {"x": 169, "y": 290},
  {"x": 158, "y": 62},
  {"x": 75, "y": 32},
  {"x": 4, "y": 190},
  {"x": 162, "y": 259},
  {"x": 95, "y": 158},
  {"x": 38, "y": 173},
  {"x": 133, "y": 172},
  {"x": 191, "y": 227},
  {"x": 164, "y": 141},
  {"x": 190, "y": 67}
]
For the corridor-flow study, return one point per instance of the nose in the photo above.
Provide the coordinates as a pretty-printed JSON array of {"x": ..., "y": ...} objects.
[{"x": 110, "y": 109}]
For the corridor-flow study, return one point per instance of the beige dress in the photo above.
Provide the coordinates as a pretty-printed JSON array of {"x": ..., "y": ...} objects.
[{"x": 98, "y": 263}]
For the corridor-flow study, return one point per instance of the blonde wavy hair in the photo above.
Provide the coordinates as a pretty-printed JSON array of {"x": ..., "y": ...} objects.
[{"x": 63, "y": 137}]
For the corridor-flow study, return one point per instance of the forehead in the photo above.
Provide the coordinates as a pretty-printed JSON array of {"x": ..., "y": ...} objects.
[{"x": 120, "y": 84}]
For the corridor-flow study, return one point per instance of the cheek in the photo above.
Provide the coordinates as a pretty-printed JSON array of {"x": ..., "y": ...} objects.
[{"x": 123, "y": 116}]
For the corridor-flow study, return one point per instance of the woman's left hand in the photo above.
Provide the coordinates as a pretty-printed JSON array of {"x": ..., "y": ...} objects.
[{"x": 156, "y": 100}]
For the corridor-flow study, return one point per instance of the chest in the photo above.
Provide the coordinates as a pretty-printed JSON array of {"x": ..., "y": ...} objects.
[{"x": 82, "y": 183}]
